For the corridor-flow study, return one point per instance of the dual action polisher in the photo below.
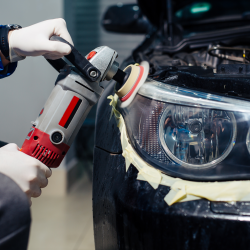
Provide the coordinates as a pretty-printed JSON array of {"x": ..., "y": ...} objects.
[{"x": 77, "y": 90}]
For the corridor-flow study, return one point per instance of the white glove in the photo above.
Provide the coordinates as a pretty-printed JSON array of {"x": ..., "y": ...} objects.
[
  {"x": 34, "y": 41},
  {"x": 29, "y": 173}
]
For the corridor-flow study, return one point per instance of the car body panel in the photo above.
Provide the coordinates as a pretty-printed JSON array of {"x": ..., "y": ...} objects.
[
  {"x": 106, "y": 125},
  {"x": 130, "y": 214}
]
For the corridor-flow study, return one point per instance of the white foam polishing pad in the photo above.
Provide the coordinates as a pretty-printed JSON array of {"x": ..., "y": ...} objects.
[{"x": 137, "y": 76}]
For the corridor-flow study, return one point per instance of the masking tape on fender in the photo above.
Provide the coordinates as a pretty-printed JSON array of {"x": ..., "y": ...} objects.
[{"x": 181, "y": 190}]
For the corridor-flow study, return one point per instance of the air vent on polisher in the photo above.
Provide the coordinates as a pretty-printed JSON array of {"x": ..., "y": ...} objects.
[{"x": 45, "y": 155}]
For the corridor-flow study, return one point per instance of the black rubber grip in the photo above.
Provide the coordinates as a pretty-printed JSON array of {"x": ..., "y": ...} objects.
[
  {"x": 57, "y": 64},
  {"x": 77, "y": 59}
]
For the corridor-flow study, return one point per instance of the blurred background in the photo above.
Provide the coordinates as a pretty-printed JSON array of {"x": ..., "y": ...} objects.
[{"x": 62, "y": 216}]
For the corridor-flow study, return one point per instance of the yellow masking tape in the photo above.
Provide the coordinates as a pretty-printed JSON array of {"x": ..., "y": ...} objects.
[{"x": 181, "y": 190}]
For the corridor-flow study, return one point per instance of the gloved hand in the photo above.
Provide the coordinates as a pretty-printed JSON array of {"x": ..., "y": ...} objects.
[
  {"x": 34, "y": 40},
  {"x": 29, "y": 173}
]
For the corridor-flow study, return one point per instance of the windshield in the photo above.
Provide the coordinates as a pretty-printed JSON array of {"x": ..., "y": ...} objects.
[{"x": 201, "y": 10}]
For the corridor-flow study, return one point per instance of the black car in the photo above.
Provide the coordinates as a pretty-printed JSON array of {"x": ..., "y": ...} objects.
[{"x": 190, "y": 120}]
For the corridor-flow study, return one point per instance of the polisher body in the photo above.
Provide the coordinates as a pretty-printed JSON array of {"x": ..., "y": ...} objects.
[{"x": 59, "y": 121}]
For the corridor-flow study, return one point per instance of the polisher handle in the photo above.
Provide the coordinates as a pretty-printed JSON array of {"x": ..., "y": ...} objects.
[{"x": 77, "y": 59}]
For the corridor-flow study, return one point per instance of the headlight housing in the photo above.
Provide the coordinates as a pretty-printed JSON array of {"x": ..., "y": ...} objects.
[
  {"x": 195, "y": 137},
  {"x": 189, "y": 134}
]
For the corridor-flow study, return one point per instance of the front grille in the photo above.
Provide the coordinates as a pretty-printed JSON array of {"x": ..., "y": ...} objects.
[{"x": 45, "y": 155}]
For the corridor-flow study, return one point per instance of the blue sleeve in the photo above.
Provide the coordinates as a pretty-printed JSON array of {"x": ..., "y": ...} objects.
[{"x": 8, "y": 70}]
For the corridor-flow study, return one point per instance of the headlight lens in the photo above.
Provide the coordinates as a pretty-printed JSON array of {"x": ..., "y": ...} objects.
[
  {"x": 189, "y": 134},
  {"x": 194, "y": 137}
]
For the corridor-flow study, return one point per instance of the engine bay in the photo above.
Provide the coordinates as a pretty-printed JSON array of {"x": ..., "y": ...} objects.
[{"x": 224, "y": 72}]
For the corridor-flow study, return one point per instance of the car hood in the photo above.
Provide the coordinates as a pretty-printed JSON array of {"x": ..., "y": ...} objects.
[{"x": 156, "y": 10}]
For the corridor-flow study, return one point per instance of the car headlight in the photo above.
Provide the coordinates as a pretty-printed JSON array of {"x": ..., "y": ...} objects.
[
  {"x": 190, "y": 134},
  {"x": 194, "y": 137}
]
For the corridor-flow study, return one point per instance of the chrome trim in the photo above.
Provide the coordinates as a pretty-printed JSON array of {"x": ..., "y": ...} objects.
[{"x": 177, "y": 95}]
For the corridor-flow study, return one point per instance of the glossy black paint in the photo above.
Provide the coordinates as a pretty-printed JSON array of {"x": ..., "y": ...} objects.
[
  {"x": 130, "y": 214},
  {"x": 107, "y": 134}
]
